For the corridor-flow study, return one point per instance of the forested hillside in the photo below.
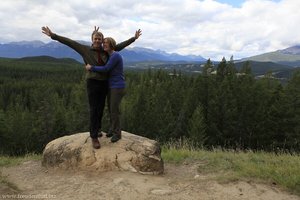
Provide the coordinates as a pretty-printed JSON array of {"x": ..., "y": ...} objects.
[{"x": 40, "y": 101}]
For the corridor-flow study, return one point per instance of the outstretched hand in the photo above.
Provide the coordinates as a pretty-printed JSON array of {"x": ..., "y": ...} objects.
[
  {"x": 138, "y": 33},
  {"x": 46, "y": 30},
  {"x": 88, "y": 67}
]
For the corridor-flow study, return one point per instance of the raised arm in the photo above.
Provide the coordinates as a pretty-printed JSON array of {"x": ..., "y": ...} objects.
[
  {"x": 126, "y": 43},
  {"x": 66, "y": 41}
]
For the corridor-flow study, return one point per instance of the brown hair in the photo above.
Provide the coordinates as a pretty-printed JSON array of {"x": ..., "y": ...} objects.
[
  {"x": 111, "y": 42},
  {"x": 97, "y": 33}
]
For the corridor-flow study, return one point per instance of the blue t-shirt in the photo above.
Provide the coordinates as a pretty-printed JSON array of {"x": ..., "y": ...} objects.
[{"x": 115, "y": 68}]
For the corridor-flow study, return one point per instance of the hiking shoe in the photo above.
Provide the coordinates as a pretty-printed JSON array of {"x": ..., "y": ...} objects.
[
  {"x": 96, "y": 143},
  {"x": 115, "y": 137},
  {"x": 100, "y": 134},
  {"x": 109, "y": 134}
]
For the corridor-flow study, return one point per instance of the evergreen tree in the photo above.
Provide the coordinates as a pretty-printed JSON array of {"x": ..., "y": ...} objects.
[
  {"x": 221, "y": 70},
  {"x": 208, "y": 68},
  {"x": 292, "y": 105},
  {"x": 197, "y": 127}
]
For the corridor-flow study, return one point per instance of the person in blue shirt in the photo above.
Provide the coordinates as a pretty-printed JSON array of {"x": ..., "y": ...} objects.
[{"x": 116, "y": 82}]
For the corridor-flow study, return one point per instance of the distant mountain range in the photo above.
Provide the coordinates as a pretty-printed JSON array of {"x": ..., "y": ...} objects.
[
  {"x": 289, "y": 56},
  {"x": 283, "y": 63},
  {"x": 57, "y": 50}
]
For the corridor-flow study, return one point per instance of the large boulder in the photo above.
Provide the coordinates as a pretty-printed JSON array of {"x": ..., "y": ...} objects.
[{"x": 131, "y": 153}]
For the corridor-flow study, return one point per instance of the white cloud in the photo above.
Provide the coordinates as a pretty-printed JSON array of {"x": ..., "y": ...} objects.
[{"x": 200, "y": 27}]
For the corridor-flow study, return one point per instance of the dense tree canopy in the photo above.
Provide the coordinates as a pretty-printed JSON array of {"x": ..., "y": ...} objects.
[{"x": 40, "y": 101}]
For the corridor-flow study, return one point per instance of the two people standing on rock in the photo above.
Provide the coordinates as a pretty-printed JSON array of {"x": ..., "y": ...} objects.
[
  {"x": 116, "y": 85},
  {"x": 97, "y": 82}
]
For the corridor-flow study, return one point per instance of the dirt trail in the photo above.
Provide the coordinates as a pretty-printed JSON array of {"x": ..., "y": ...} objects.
[{"x": 178, "y": 182}]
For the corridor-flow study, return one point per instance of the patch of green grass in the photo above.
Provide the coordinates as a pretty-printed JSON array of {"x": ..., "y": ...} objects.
[
  {"x": 281, "y": 169},
  {"x": 15, "y": 160}
]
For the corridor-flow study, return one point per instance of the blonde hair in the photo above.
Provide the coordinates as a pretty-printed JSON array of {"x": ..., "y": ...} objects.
[{"x": 111, "y": 42}]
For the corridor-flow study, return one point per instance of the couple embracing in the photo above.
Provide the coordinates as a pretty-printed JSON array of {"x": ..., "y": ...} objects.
[{"x": 104, "y": 78}]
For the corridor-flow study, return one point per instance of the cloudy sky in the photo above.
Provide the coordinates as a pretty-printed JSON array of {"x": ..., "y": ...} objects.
[{"x": 210, "y": 28}]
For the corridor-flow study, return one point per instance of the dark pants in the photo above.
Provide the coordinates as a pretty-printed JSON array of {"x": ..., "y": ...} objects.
[
  {"x": 115, "y": 96},
  {"x": 97, "y": 91}
]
